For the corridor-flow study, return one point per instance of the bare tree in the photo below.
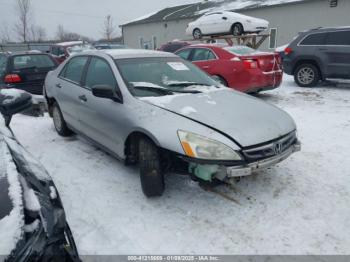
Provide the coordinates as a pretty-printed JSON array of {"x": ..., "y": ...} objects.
[
  {"x": 108, "y": 28},
  {"x": 5, "y": 36},
  {"x": 23, "y": 8},
  {"x": 37, "y": 33},
  {"x": 60, "y": 34}
]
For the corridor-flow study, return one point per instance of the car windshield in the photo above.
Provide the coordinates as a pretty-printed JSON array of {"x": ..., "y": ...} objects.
[
  {"x": 163, "y": 76},
  {"x": 240, "y": 50},
  {"x": 32, "y": 61},
  {"x": 80, "y": 48}
]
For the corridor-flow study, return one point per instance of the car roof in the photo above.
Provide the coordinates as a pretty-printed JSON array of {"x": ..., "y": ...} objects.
[
  {"x": 326, "y": 29},
  {"x": 131, "y": 53},
  {"x": 32, "y": 52}
]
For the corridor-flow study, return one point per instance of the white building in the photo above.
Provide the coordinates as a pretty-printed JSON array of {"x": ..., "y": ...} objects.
[{"x": 286, "y": 17}]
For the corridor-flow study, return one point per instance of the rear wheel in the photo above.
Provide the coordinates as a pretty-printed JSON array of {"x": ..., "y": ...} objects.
[
  {"x": 151, "y": 173},
  {"x": 58, "y": 121},
  {"x": 237, "y": 29},
  {"x": 197, "y": 33},
  {"x": 307, "y": 75}
]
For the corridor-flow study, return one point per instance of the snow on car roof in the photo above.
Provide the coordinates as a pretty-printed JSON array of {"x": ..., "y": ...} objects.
[
  {"x": 70, "y": 43},
  {"x": 135, "y": 53}
]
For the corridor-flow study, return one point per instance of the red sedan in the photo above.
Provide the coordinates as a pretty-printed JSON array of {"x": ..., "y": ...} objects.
[{"x": 238, "y": 67}]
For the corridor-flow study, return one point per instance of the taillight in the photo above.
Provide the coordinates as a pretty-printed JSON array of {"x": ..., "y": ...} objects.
[
  {"x": 288, "y": 51},
  {"x": 250, "y": 64},
  {"x": 12, "y": 78}
]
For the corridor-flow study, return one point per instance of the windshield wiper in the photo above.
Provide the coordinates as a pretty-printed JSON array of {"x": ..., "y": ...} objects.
[
  {"x": 186, "y": 84},
  {"x": 158, "y": 90}
]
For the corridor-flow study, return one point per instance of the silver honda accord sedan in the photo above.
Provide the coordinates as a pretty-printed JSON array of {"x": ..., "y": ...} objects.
[{"x": 166, "y": 115}]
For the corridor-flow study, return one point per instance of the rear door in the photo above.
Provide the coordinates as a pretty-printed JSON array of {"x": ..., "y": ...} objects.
[
  {"x": 205, "y": 59},
  {"x": 32, "y": 69},
  {"x": 337, "y": 54},
  {"x": 68, "y": 86}
]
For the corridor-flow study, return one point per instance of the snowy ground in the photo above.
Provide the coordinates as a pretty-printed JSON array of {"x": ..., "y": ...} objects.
[{"x": 300, "y": 206}]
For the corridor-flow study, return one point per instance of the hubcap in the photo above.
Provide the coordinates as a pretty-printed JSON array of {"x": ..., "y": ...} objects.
[
  {"x": 57, "y": 119},
  {"x": 306, "y": 75},
  {"x": 197, "y": 34},
  {"x": 236, "y": 30}
]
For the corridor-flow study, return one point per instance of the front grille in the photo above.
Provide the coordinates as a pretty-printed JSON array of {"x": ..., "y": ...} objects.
[{"x": 271, "y": 149}]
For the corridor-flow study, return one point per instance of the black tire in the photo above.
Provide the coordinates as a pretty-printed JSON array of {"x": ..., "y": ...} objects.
[
  {"x": 220, "y": 79},
  {"x": 197, "y": 33},
  {"x": 307, "y": 75},
  {"x": 151, "y": 173},
  {"x": 237, "y": 29},
  {"x": 59, "y": 122}
]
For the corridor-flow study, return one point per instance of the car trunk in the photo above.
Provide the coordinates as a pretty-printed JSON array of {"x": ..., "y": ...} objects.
[
  {"x": 267, "y": 62},
  {"x": 30, "y": 71}
]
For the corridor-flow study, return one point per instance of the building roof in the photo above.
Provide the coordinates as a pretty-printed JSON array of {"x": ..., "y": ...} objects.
[{"x": 195, "y": 10}]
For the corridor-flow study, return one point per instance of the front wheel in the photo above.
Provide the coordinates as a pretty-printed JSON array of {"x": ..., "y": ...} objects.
[
  {"x": 151, "y": 173},
  {"x": 307, "y": 75},
  {"x": 58, "y": 121},
  {"x": 197, "y": 33},
  {"x": 237, "y": 29}
]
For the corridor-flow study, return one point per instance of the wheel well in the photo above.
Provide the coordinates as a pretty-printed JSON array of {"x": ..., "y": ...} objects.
[
  {"x": 222, "y": 78},
  {"x": 237, "y": 23},
  {"x": 131, "y": 148},
  {"x": 308, "y": 61},
  {"x": 50, "y": 102}
]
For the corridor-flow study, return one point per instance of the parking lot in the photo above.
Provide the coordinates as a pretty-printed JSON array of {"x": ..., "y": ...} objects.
[{"x": 301, "y": 206}]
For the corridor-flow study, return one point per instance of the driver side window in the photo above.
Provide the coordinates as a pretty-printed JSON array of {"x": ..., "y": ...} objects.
[{"x": 99, "y": 73}]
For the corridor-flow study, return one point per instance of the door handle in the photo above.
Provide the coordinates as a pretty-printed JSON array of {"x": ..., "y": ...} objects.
[
  {"x": 83, "y": 98},
  {"x": 58, "y": 85}
]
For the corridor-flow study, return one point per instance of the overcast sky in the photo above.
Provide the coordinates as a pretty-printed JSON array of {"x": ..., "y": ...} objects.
[{"x": 83, "y": 16}]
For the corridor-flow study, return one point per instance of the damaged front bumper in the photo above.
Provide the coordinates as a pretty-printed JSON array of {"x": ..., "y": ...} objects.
[
  {"x": 246, "y": 170},
  {"x": 209, "y": 171}
]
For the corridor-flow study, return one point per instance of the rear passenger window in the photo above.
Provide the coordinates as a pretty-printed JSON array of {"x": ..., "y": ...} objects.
[
  {"x": 314, "y": 39},
  {"x": 185, "y": 53},
  {"x": 73, "y": 71},
  {"x": 99, "y": 73},
  {"x": 338, "y": 38},
  {"x": 202, "y": 54}
]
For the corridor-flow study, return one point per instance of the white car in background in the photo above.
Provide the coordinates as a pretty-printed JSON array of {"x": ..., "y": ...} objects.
[{"x": 225, "y": 23}]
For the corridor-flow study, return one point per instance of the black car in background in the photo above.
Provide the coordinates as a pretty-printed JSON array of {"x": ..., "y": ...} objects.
[
  {"x": 317, "y": 55},
  {"x": 25, "y": 70},
  {"x": 33, "y": 224},
  {"x": 173, "y": 46}
]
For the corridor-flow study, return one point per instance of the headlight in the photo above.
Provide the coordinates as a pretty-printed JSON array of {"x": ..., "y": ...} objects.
[{"x": 197, "y": 146}]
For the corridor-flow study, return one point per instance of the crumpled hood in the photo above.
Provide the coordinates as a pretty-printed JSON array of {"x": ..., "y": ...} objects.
[{"x": 246, "y": 119}]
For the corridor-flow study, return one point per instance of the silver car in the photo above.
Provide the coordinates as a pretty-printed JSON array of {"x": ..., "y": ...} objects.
[{"x": 164, "y": 114}]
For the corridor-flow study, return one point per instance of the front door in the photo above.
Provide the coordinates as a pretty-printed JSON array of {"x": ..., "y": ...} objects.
[
  {"x": 337, "y": 54},
  {"x": 100, "y": 117}
]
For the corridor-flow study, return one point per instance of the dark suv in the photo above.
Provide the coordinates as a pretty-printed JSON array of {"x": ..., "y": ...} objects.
[
  {"x": 25, "y": 70},
  {"x": 319, "y": 54}
]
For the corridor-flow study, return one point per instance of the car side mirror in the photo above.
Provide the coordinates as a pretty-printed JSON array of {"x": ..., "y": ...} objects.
[
  {"x": 105, "y": 91},
  {"x": 224, "y": 18},
  {"x": 13, "y": 101}
]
